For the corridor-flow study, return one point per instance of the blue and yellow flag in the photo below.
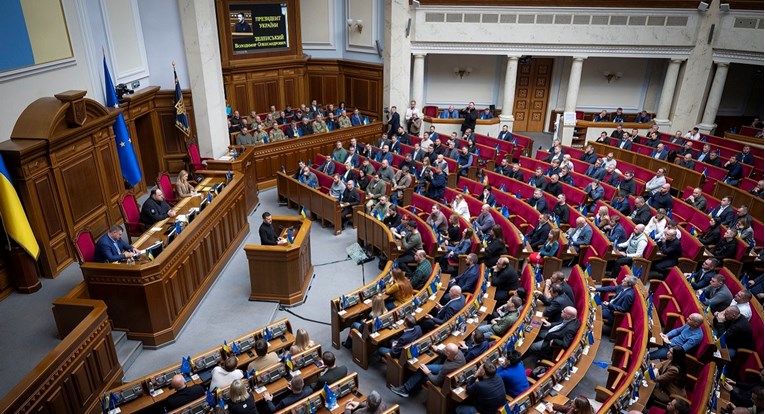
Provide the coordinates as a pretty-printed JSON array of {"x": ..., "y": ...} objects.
[
  {"x": 181, "y": 118},
  {"x": 302, "y": 212},
  {"x": 13, "y": 216},
  {"x": 128, "y": 161}
]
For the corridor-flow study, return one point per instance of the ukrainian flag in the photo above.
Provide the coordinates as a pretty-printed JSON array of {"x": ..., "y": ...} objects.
[{"x": 12, "y": 213}]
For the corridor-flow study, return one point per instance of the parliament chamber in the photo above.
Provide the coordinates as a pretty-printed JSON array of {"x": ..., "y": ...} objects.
[{"x": 560, "y": 207}]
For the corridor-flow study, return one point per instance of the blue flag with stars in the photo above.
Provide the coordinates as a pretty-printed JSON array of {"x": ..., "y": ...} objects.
[{"x": 131, "y": 172}]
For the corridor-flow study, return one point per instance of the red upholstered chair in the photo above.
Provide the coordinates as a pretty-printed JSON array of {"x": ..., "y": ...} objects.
[
  {"x": 84, "y": 246},
  {"x": 430, "y": 110},
  {"x": 196, "y": 161},
  {"x": 131, "y": 215},
  {"x": 164, "y": 184}
]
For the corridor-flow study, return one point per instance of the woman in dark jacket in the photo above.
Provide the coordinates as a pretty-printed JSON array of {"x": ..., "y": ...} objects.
[
  {"x": 496, "y": 246},
  {"x": 713, "y": 234},
  {"x": 670, "y": 377}
]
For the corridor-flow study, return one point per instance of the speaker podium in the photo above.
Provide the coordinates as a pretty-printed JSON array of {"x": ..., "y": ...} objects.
[{"x": 282, "y": 273}]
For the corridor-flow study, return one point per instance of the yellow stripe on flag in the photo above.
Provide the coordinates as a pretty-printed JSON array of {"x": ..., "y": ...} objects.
[{"x": 14, "y": 218}]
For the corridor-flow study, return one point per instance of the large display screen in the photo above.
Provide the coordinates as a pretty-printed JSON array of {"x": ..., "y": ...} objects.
[{"x": 258, "y": 27}]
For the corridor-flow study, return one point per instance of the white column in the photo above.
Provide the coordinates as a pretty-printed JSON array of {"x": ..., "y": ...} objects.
[
  {"x": 200, "y": 39},
  {"x": 418, "y": 79},
  {"x": 572, "y": 94},
  {"x": 714, "y": 97},
  {"x": 397, "y": 55},
  {"x": 508, "y": 100},
  {"x": 668, "y": 92}
]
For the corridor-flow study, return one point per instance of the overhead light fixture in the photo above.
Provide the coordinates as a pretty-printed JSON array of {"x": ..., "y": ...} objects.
[
  {"x": 703, "y": 6},
  {"x": 462, "y": 72},
  {"x": 724, "y": 7},
  {"x": 356, "y": 24},
  {"x": 612, "y": 76}
]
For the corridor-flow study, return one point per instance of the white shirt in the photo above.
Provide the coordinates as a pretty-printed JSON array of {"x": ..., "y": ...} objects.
[
  {"x": 695, "y": 137},
  {"x": 410, "y": 112},
  {"x": 461, "y": 208},
  {"x": 745, "y": 308},
  {"x": 222, "y": 378}
]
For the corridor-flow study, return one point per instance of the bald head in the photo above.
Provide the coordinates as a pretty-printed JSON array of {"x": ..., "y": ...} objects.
[
  {"x": 451, "y": 351},
  {"x": 177, "y": 382},
  {"x": 569, "y": 313},
  {"x": 455, "y": 292},
  {"x": 695, "y": 320}
]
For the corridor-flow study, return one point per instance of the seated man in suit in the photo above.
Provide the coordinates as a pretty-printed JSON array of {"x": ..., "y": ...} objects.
[
  {"x": 412, "y": 332},
  {"x": 468, "y": 279},
  {"x": 630, "y": 249},
  {"x": 589, "y": 156},
  {"x": 538, "y": 202},
  {"x": 155, "y": 208},
  {"x": 349, "y": 199},
  {"x": 328, "y": 166},
  {"x": 579, "y": 235},
  {"x": 671, "y": 249},
  {"x": 697, "y": 199},
  {"x": 663, "y": 199},
  {"x": 444, "y": 312},
  {"x": 505, "y": 134},
  {"x": 298, "y": 392},
  {"x": 660, "y": 153},
  {"x": 111, "y": 248},
  {"x": 625, "y": 142},
  {"x": 331, "y": 373},
  {"x": 538, "y": 236},
  {"x": 184, "y": 393},
  {"x": 735, "y": 171},
  {"x": 620, "y": 203},
  {"x": 716, "y": 296},
  {"x": 596, "y": 171},
  {"x": 642, "y": 213},
  {"x": 621, "y": 301},
  {"x": 558, "y": 302},
  {"x": 559, "y": 334},
  {"x": 595, "y": 193}
]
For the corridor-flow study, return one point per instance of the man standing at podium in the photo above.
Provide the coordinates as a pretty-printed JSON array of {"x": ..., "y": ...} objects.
[
  {"x": 111, "y": 247},
  {"x": 267, "y": 235}
]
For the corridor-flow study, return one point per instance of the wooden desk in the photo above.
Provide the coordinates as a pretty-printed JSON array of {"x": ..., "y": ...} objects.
[
  {"x": 282, "y": 272},
  {"x": 153, "y": 300},
  {"x": 244, "y": 164},
  {"x": 373, "y": 233},
  {"x": 319, "y": 205},
  {"x": 149, "y": 382}
]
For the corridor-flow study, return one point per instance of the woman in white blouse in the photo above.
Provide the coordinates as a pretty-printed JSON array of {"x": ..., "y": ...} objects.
[{"x": 459, "y": 206}]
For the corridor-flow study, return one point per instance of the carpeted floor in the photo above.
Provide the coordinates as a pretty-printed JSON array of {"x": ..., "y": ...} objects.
[{"x": 28, "y": 329}]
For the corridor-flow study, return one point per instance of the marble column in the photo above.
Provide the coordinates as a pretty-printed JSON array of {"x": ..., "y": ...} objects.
[
  {"x": 397, "y": 55},
  {"x": 200, "y": 39},
  {"x": 418, "y": 79},
  {"x": 507, "y": 116},
  {"x": 667, "y": 93},
  {"x": 572, "y": 94},
  {"x": 713, "y": 99}
]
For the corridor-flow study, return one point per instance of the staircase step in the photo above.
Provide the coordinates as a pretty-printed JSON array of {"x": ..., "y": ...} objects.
[
  {"x": 118, "y": 337},
  {"x": 128, "y": 352}
]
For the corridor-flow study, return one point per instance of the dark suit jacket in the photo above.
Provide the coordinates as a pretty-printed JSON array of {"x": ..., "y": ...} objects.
[
  {"x": 505, "y": 135},
  {"x": 627, "y": 186},
  {"x": 409, "y": 336},
  {"x": 467, "y": 280},
  {"x": 518, "y": 175},
  {"x": 735, "y": 171},
  {"x": 493, "y": 251},
  {"x": 506, "y": 279},
  {"x": 327, "y": 167},
  {"x": 153, "y": 211},
  {"x": 553, "y": 310},
  {"x": 596, "y": 172},
  {"x": 486, "y": 395},
  {"x": 332, "y": 375},
  {"x": 450, "y": 309},
  {"x": 552, "y": 188},
  {"x": 725, "y": 249},
  {"x": 617, "y": 234},
  {"x": 641, "y": 215},
  {"x": 183, "y": 397},
  {"x": 589, "y": 158},
  {"x": 727, "y": 218},
  {"x": 290, "y": 399},
  {"x": 624, "y": 144},
  {"x": 662, "y": 155},
  {"x": 106, "y": 252},
  {"x": 394, "y": 122},
  {"x": 563, "y": 337},
  {"x": 538, "y": 182},
  {"x": 293, "y": 133},
  {"x": 660, "y": 200},
  {"x": 738, "y": 333},
  {"x": 350, "y": 197},
  {"x": 622, "y": 301},
  {"x": 538, "y": 236},
  {"x": 540, "y": 204},
  {"x": 702, "y": 279},
  {"x": 672, "y": 250},
  {"x": 267, "y": 235},
  {"x": 622, "y": 207},
  {"x": 745, "y": 158}
]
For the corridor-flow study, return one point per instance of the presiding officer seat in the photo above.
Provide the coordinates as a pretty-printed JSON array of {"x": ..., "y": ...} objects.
[
  {"x": 84, "y": 246},
  {"x": 131, "y": 214}
]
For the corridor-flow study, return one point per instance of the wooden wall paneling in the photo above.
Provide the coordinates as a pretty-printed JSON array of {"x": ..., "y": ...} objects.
[
  {"x": 171, "y": 142},
  {"x": 136, "y": 108}
]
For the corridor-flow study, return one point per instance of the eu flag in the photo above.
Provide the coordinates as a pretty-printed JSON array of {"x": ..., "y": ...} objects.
[
  {"x": 128, "y": 161},
  {"x": 181, "y": 119}
]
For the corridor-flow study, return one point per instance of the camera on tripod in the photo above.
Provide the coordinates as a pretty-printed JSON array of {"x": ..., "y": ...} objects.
[{"x": 122, "y": 90}]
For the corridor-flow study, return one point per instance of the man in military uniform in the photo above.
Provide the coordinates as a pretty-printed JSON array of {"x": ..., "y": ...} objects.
[
  {"x": 319, "y": 126},
  {"x": 276, "y": 134},
  {"x": 260, "y": 135},
  {"x": 343, "y": 120},
  {"x": 155, "y": 208}
]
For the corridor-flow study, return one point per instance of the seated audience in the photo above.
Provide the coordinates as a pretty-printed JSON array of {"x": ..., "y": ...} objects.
[
  {"x": 670, "y": 377},
  {"x": 223, "y": 376},
  {"x": 621, "y": 301},
  {"x": 485, "y": 391},
  {"x": 688, "y": 337},
  {"x": 453, "y": 359},
  {"x": 297, "y": 392},
  {"x": 513, "y": 374},
  {"x": 240, "y": 400},
  {"x": 716, "y": 296},
  {"x": 558, "y": 334}
]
